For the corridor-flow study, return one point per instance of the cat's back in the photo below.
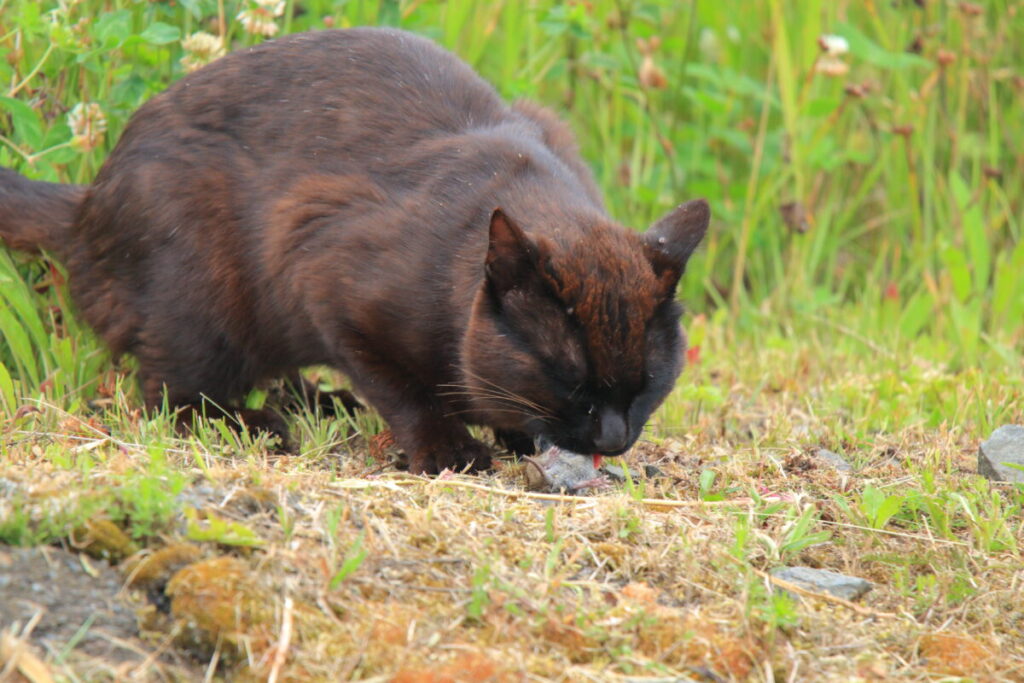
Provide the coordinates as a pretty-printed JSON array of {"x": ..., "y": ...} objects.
[
  {"x": 350, "y": 93},
  {"x": 211, "y": 177}
]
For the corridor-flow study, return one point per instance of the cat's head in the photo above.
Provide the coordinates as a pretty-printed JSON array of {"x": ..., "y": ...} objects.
[{"x": 579, "y": 343}]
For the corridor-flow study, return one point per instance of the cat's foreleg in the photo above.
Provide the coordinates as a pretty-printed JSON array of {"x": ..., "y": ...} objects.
[{"x": 432, "y": 438}]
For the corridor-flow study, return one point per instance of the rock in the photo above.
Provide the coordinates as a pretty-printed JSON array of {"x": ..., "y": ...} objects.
[
  {"x": 823, "y": 581},
  {"x": 834, "y": 460},
  {"x": 653, "y": 471},
  {"x": 616, "y": 473},
  {"x": 1004, "y": 448}
]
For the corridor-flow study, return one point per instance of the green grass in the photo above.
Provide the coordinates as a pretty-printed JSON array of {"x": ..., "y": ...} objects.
[{"x": 861, "y": 290}]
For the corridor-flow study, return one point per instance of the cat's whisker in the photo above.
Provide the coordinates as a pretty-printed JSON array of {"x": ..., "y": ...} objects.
[
  {"x": 505, "y": 395},
  {"x": 478, "y": 393},
  {"x": 455, "y": 413},
  {"x": 512, "y": 405},
  {"x": 498, "y": 387},
  {"x": 538, "y": 413}
]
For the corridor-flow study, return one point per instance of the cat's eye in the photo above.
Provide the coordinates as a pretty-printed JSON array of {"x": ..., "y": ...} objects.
[{"x": 591, "y": 409}]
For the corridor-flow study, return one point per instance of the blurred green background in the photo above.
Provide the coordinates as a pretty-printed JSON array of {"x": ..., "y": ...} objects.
[{"x": 863, "y": 160}]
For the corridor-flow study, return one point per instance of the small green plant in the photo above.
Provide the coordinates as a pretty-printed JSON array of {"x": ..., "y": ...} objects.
[
  {"x": 629, "y": 523},
  {"x": 549, "y": 525},
  {"x": 706, "y": 483},
  {"x": 775, "y": 608},
  {"x": 636, "y": 490},
  {"x": 800, "y": 535},
  {"x": 874, "y": 509},
  {"x": 989, "y": 519},
  {"x": 208, "y": 527},
  {"x": 479, "y": 596},
  {"x": 148, "y": 498},
  {"x": 353, "y": 561}
]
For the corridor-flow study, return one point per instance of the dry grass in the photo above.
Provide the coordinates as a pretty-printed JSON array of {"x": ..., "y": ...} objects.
[
  {"x": 332, "y": 565},
  {"x": 889, "y": 332},
  {"x": 389, "y": 577}
]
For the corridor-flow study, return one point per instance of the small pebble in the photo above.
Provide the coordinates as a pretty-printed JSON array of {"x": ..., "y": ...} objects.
[
  {"x": 823, "y": 581},
  {"x": 1000, "y": 452},
  {"x": 834, "y": 460}
]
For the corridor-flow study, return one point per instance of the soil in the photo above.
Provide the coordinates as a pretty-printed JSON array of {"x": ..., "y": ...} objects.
[{"x": 82, "y": 610}]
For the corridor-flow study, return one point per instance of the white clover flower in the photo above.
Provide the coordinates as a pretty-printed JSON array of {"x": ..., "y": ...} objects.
[
  {"x": 708, "y": 45},
  {"x": 258, "y": 19},
  {"x": 831, "y": 61},
  {"x": 201, "y": 48},
  {"x": 88, "y": 125},
  {"x": 834, "y": 46}
]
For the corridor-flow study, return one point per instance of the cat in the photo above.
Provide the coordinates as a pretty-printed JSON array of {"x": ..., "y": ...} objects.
[{"x": 362, "y": 199}]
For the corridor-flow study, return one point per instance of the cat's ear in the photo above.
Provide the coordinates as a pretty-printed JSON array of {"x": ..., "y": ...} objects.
[
  {"x": 511, "y": 255},
  {"x": 671, "y": 241}
]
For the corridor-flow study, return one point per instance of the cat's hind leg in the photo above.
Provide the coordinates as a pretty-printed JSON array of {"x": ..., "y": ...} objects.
[
  {"x": 325, "y": 401},
  {"x": 204, "y": 380}
]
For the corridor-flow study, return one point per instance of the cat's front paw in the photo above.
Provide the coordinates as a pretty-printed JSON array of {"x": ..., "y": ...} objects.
[
  {"x": 471, "y": 456},
  {"x": 516, "y": 443}
]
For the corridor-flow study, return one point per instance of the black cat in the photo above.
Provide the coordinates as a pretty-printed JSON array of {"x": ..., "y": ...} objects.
[{"x": 362, "y": 199}]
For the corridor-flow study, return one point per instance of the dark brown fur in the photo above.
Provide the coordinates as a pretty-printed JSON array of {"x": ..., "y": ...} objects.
[{"x": 362, "y": 199}]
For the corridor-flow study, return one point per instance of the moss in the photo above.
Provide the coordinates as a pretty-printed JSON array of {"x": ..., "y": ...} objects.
[
  {"x": 104, "y": 540},
  {"x": 154, "y": 570},
  {"x": 218, "y": 602},
  {"x": 954, "y": 654},
  {"x": 465, "y": 667}
]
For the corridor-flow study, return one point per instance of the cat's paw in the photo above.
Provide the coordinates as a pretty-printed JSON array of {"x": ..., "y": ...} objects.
[
  {"x": 516, "y": 443},
  {"x": 471, "y": 456}
]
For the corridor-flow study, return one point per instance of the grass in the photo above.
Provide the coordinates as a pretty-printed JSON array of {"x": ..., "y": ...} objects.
[{"x": 860, "y": 291}]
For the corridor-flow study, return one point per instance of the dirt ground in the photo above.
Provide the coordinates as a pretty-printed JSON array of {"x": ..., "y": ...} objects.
[{"x": 72, "y": 610}]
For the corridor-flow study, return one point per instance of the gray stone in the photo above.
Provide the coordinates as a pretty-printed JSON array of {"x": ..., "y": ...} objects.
[
  {"x": 1004, "y": 448},
  {"x": 823, "y": 581},
  {"x": 616, "y": 473},
  {"x": 834, "y": 460},
  {"x": 653, "y": 471}
]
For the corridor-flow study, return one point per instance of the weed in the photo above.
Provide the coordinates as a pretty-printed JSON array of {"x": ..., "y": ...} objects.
[{"x": 859, "y": 291}]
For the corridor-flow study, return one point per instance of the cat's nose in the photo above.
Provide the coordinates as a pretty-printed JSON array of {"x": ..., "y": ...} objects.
[{"x": 612, "y": 435}]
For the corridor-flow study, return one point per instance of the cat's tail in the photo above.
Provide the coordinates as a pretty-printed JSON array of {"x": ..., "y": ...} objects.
[{"x": 36, "y": 215}]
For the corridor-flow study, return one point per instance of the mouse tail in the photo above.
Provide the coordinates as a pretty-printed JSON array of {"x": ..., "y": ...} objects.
[{"x": 36, "y": 215}]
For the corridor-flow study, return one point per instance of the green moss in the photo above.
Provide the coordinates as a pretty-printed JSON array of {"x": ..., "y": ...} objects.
[
  {"x": 104, "y": 540},
  {"x": 217, "y": 602}
]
